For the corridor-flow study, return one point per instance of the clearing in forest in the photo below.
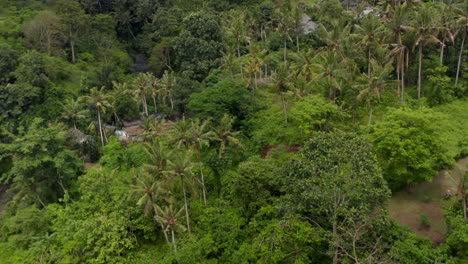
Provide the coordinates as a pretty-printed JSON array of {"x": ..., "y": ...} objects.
[{"x": 427, "y": 198}]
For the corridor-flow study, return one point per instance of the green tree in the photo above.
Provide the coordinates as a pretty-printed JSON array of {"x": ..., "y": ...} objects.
[
  {"x": 43, "y": 167},
  {"x": 408, "y": 146},
  {"x": 73, "y": 111},
  {"x": 8, "y": 62},
  {"x": 42, "y": 33},
  {"x": 225, "y": 136},
  {"x": 73, "y": 23},
  {"x": 99, "y": 100},
  {"x": 334, "y": 177},
  {"x": 169, "y": 217},
  {"x": 426, "y": 30}
]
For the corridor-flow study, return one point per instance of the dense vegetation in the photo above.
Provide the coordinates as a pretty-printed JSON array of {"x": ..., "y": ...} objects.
[{"x": 264, "y": 137}]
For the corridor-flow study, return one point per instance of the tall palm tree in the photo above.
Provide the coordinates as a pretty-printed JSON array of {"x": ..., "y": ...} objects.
[
  {"x": 374, "y": 83},
  {"x": 398, "y": 24},
  {"x": 180, "y": 133},
  {"x": 167, "y": 83},
  {"x": 181, "y": 166},
  {"x": 141, "y": 89},
  {"x": 158, "y": 155},
  {"x": 284, "y": 21},
  {"x": 282, "y": 84},
  {"x": 99, "y": 99},
  {"x": 426, "y": 31},
  {"x": 333, "y": 70},
  {"x": 462, "y": 24},
  {"x": 372, "y": 32},
  {"x": 236, "y": 27},
  {"x": 119, "y": 91},
  {"x": 446, "y": 27},
  {"x": 304, "y": 64},
  {"x": 152, "y": 128},
  {"x": 169, "y": 217},
  {"x": 148, "y": 190},
  {"x": 199, "y": 138},
  {"x": 253, "y": 67},
  {"x": 73, "y": 111},
  {"x": 225, "y": 136}
]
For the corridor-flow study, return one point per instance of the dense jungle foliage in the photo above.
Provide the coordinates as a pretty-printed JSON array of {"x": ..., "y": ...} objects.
[{"x": 228, "y": 131}]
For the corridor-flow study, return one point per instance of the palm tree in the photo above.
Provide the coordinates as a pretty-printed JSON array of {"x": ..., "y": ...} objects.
[
  {"x": 426, "y": 33},
  {"x": 400, "y": 53},
  {"x": 141, "y": 88},
  {"x": 158, "y": 156},
  {"x": 169, "y": 218},
  {"x": 462, "y": 23},
  {"x": 374, "y": 83},
  {"x": 99, "y": 99},
  {"x": 304, "y": 64},
  {"x": 199, "y": 138},
  {"x": 224, "y": 134},
  {"x": 333, "y": 70},
  {"x": 167, "y": 83},
  {"x": 181, "y": 167},
  {"x": 446, "y": 27},
  {"x": 72, "y": 110},
  {"x": 180, "y": 133},
  {"x": 120, "y": 90},
  {"x": 253, "y": 67},
  {"x": 284, "y": 21},
  {"x": 282, "y": 84},
  {"x": 236, "y": 27},
  {"x": 372, "y": 32},
  {"x": 148, "y": 190},
  {"x": 152, "y": 127}
]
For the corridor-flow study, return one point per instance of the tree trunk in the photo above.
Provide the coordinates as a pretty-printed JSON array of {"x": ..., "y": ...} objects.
[
  {"x": 186, "y": 206},
  {"x": 155, "y": 106},
  {"x": 238, "y": 48},
  {"x": 335, "y": 233},
  {"x": 255, "y": 84},
  {"x": 403, "y": 82},
  {"x": 442, "y": 47},
  {"x": 72, "y": 47},
  {"x": 173, "y": 240},
  {"x": 203, "y": 183},
  {"x": 464, "y": 207},
  {"x": 285, "y": 50},
  {"x": 297, "y": 42},
  {"x": 368, "y": 63},
  {"x": 370, "y": 112},
  {"x": 398, "y": 83},
  {"x": 419, "y": 70},
  {"x": 460, "y": 57},
  {"x": 100, "y": 127},
  {"x": 284, "y": 108},
  {"x": 145, "y": 105}
]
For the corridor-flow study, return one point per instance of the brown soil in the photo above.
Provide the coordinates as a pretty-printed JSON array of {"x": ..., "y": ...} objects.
[{"x": 427, "y": 198}]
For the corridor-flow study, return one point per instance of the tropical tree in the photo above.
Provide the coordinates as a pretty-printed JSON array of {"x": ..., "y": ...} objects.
[
  {"x": 166, "y": 84},
  {"x": 462, "y": 24},
  {"x": 333, "y": 71},
  {"x": 148, "y": 190},
  {"x": 282, "y": 84},
  {"x": 225, "y": 136},
  {"x": 236, "y": 27},
  {"x": 99, "y": 99},
  {"x": 199, "y": 138},
  {"x": 73, "y": 111},
  {"x": 284, "y": 21},
  {"x": 181, "y": 166},
  {"x": 141, "y": 88},
  {"x": 426, "y": 31},
  {"x": 158, "y": 157},
  {"x": 374, "y": 83},
  {"x": 180, "y": 133},
  {"x": 446, "y": 27},
  {"x": 372, "y": 32},
  {"x": 169, "y": 217}
]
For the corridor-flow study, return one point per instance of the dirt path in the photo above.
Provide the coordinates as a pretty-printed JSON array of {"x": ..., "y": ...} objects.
[{"x": 427, "y": 198}]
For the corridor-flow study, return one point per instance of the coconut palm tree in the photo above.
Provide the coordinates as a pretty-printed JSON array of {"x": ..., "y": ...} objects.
[
  {"x": 148, "y": 190},
  {"x": 167, "y": 83},
  {"x": 303, "y": 64},
  {"x": 181, "y": 167},
  {"x": 374, "y": 83},
  {"x": 461, "y": 23},
  {"x": 152, "y": 128},
  {"x": 372, "y": 32},
  {"x": 426, "y": 31},
  {"x": 180, "y": 133},
  {"x": 99, "y": 99},
  {"x": 158, "y": 156},
  {"x": 225, "y": 136},
  {"x": 446, "y": 27},
  {"x": 398, "y": 24},
  {"x": 169, "y": 217},
  {"x": 282, "y": 84},
  {"x": 141, "y": 88},
  {"x": 73, "y": 111},
  {"x": 236, "y": 27},
  {"x": 199, "y": 138},
  {"x": 284, "y": 20},
  {"x": 333, "y": 70}
]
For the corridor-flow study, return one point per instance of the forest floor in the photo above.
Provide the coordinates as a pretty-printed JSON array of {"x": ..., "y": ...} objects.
[{"x": 427, "y": 198}]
